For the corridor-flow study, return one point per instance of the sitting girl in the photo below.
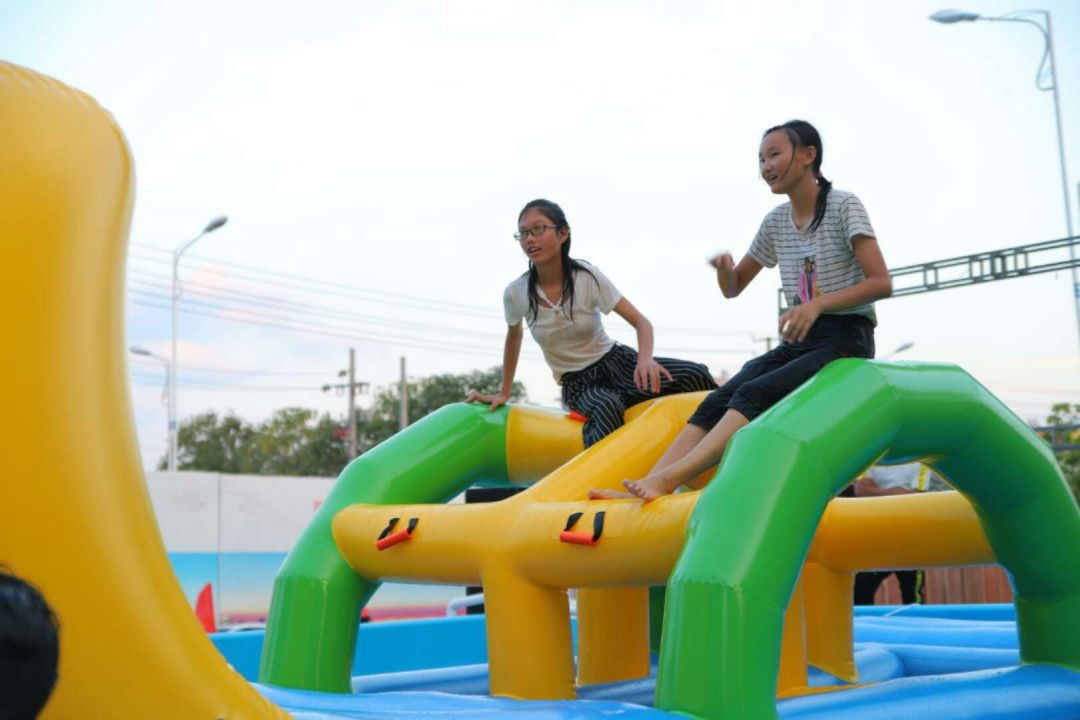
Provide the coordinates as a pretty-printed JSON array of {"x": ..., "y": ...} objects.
[
  {"x": 561, "y": 300},
  {"x": 832, "y": 272}
]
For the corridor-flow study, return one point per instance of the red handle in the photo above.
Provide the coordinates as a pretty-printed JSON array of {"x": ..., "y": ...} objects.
[
  {"x": 393, "y": 539},
  {"x": 577, "y": 538}
]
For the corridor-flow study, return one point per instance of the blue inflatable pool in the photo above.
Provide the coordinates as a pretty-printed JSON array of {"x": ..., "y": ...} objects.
[{"x": 937, "y": 661}]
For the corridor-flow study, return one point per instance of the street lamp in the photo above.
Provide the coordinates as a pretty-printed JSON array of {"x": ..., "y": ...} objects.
[
  {"x": 176, "y": 290},
  {"x": 143, "y": 352},
  {"x": 948, "y": 17},
  {"x": 904, "y": 347}
]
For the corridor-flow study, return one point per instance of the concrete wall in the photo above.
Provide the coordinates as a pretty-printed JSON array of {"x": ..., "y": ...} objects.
[
  {"x": 258, "y": 513},
  {"x": 232, "y": 532}
]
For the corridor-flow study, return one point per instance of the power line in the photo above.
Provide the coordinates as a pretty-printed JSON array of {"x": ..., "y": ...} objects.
[
  {"x": 396, "y": 299},
  {"x": 346, "y": 335},
  {"x": 262, "y": 317},
  {"x": 277, "y": 303},
  {"x": 308, "y": 310},
  {"x": 329, "y": 287},
  {"x": 234, "y": 371},
  {"x": 144, "y": 380}
]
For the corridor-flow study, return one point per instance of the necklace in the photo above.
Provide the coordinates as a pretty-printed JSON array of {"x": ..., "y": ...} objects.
[{"x": 545, "y": 298}]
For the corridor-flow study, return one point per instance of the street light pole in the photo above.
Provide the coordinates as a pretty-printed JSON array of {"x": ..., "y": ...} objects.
[
  {"x": 176, "y": 290},
  {"x": 1049, "y": 35},
  {"x": 949, "y": 17},
  {"x": 143, "y": 352}
]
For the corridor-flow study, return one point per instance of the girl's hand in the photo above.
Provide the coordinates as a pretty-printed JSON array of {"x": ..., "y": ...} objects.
[
  {"x": 795, "y": 324},
  {"x": 865, "y": 487},
  {"x": 494, "y": 400},
  {"x": 647, "y": 374},
  {"x": 725, "y": 270},
  {"x": 723, "y": 261}
]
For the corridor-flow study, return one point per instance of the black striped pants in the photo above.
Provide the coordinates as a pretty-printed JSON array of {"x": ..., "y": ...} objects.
[{"x": 603, "y": 391}]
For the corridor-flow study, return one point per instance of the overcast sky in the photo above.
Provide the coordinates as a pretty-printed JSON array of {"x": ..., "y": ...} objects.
[{"x": 372, "y": 159}]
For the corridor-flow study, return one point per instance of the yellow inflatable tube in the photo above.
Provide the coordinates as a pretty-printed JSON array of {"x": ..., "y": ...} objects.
[
  {"x": 513, "y": 548},
  {"x": 903, "y": 531},
  {"x": 75, "y": 518},
  {"x": 501, "y": 544}
]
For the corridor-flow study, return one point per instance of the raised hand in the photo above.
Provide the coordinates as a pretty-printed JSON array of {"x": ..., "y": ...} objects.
[{"x": 725, "y": 271}]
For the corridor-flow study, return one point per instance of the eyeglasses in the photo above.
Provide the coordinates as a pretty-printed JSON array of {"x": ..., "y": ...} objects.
[{"x": 535, "y": 231}]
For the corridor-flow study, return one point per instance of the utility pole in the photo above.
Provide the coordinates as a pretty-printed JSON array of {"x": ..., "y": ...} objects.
[
  {"x": 351, "y": 389},
  {"x": 352, "y": 403},
  {"x": 403, "y": 411}
]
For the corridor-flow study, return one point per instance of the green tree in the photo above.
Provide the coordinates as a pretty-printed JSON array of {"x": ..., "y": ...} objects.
[
  {"x": 426, "y": 396},
  {"x": 212, "y": 443},
  {"x": 299, "y": 441},
  {"x": 293, "y": 441},
  {"x": 1069, "y": 460}
]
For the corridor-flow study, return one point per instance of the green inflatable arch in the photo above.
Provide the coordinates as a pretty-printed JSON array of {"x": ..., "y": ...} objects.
[
  {"x": 317, "y": 599},
  {"x": 754, "y": 522}
]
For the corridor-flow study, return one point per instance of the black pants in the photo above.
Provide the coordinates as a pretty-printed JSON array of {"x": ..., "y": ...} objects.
[
  {"x": 867, "y": 583},
  {"x": 769, "y": 378},
  {"x": 603, "y": 391}
]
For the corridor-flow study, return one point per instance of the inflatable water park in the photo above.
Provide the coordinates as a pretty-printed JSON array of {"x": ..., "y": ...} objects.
[{"x": 730, "y": 602}]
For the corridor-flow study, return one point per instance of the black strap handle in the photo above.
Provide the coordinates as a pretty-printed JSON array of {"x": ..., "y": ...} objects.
[
  {"x": 386, "y": 531},
  {"x": 572, "y": 520},
  {"x": 598, "y": 526}
]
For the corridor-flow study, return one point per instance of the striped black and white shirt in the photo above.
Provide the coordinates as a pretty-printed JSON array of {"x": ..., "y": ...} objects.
[{"x": 816, "y": 262}]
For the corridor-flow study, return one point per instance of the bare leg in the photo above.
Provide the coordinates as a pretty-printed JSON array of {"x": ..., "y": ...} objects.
[
  {"x": 683, "y": 443},
  {"x": 667, "y": 476}
]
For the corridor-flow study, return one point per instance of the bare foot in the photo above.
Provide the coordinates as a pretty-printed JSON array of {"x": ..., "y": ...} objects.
[
  {"x": 649, "y": 488},
  {"x": 598, "y": 494}
]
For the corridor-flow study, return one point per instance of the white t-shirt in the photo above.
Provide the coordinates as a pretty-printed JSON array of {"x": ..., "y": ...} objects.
[
  {"x": 568, "y": 345},
  {"x": 909, "y": 476},
  {"x": 820, "y": 261}
]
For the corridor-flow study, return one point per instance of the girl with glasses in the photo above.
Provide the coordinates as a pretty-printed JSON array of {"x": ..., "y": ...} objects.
[
  {"x": 832, "y": 271},
  {"x": 561, "y": 300}
]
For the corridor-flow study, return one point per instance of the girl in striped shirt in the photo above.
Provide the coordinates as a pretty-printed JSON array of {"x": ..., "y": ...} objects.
[{"x": 832, "y": 271}]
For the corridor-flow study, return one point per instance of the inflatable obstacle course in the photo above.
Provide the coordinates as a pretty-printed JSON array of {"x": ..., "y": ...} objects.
[{"x": 757, "y": 565}]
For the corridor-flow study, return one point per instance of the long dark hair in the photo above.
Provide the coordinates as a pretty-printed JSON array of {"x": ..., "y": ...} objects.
[
  {"x": 556, "y": 217},
  {"x": 803, "y": 134}
]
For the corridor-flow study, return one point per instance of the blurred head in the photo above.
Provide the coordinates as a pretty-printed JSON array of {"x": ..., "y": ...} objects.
[{"x": 29, "y": 649}]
